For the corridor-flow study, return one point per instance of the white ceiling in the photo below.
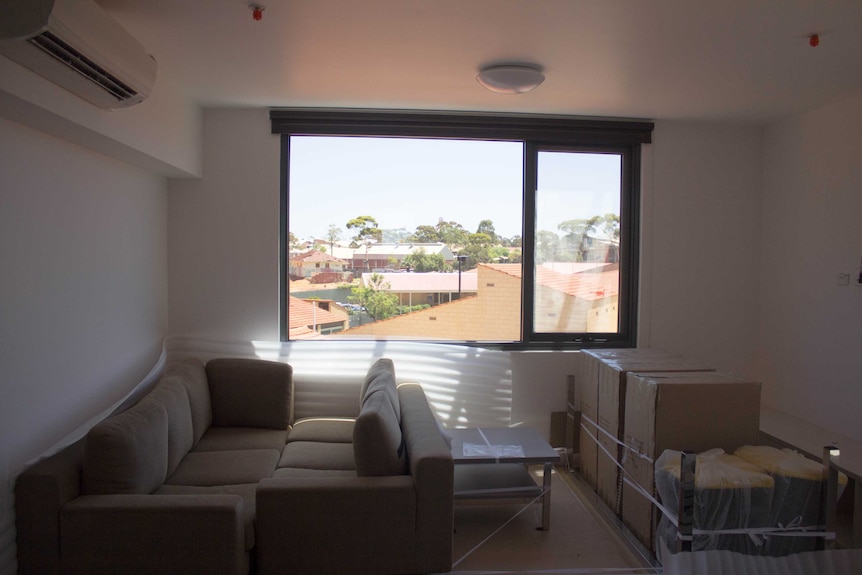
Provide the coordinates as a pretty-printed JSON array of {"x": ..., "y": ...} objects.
[{"x": 723, "y": 60}]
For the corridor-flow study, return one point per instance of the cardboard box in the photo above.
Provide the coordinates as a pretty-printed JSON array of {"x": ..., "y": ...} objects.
[
  {"x": 587, "y": 394},
  {"x": 587, "y": 399},
  {"x": 686, "y": 412},
  {"x": 612, "y": 403}
]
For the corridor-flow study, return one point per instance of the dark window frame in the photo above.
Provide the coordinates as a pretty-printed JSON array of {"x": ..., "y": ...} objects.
[{"x": 538, "y": 133}]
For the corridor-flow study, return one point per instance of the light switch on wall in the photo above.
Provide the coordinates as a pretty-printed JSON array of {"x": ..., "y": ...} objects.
[{"x": 843, "y": 279}]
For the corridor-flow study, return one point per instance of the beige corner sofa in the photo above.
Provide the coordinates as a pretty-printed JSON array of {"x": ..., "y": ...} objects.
[{"x": 207, "y": 474}]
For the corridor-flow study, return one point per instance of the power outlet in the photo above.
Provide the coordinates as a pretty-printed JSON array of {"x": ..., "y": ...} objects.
[{"x": 843, "y": 279}]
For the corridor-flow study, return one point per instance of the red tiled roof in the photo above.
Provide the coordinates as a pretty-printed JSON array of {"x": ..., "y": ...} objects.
[
  {"x": 591, "y": 284},
  {"x": 302, "y": 313},
  {"x": 316, "y": 256}
]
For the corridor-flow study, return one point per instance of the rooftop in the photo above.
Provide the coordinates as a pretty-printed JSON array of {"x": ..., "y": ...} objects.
[
  {"x": 430, "y": 282},
  {"x": 594, "y": 282}
]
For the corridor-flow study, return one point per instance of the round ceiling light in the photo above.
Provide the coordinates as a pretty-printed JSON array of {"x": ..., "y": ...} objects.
[{"x": 510, "y": 78}]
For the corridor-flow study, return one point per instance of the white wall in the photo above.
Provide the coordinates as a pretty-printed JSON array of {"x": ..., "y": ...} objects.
[
  {"x": 223, "y": 232},
  {"x": 810, "y": 354},
  {"x": 700, "y": 255},
  {"x": 83, "y": 293}
]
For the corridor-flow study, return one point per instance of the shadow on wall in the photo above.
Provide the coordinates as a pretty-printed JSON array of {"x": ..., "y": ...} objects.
[{"x": 466, "y": 386}]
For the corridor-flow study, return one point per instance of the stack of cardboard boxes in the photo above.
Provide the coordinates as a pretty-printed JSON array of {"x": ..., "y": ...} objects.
[{"x": 635, "y": 403}]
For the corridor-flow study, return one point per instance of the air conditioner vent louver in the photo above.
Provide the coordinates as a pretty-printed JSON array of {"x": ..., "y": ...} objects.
[
  {"x": 78, "y": 46},
  {"x": 56, "y": 48}
]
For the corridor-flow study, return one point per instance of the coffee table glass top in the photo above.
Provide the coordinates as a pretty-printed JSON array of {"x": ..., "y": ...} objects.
[{"x": 500, "y": 445}]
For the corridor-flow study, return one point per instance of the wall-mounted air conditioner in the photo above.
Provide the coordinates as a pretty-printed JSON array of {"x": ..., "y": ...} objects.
[{"x": 77, "y": 45}]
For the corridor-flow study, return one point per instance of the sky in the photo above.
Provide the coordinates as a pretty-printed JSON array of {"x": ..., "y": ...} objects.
[{"x": 405, "y": 183}]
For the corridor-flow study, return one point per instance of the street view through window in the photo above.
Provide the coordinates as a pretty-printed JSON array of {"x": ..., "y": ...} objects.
[{"x": 421, "y": 238}]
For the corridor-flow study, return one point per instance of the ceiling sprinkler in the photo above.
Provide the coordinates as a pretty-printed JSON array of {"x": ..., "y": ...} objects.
[{"x": 257, "y": 11}]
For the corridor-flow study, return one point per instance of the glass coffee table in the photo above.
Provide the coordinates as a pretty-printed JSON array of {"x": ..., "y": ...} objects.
[{"x": 491, "y": 464}]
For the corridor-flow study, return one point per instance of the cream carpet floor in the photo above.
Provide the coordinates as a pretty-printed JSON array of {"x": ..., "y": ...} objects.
[{"x": 503, "y": 538}]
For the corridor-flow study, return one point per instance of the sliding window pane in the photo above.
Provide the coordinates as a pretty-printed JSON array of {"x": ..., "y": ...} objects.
[
  {"x": 407, "y": 238},
  {"x": 577, "y": 243}
]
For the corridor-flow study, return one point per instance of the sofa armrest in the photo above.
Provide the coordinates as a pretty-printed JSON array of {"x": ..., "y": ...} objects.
[
  {"x": 336, "y": 525},
  {"x": 40, "y": 493},
  {"x": 433, "y": 472},
  {"x": 132, "y": 534}
]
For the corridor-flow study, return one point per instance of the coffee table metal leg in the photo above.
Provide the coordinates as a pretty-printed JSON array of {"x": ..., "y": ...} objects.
[{"x": 546, "y": 497}]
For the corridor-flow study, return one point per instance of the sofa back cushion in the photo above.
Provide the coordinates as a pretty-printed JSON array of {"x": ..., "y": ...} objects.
[
  {"x": 250, "y": 393},
  {"x": 171, "y": 393},
  {"x": 128, "y": 452},
  {"x": 381, "y": 377},
  {"x": 378, "y": 446},
  {"x": 191, "y": 374}
]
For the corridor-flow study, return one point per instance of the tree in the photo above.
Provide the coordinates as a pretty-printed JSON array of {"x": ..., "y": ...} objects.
[
  {"x": 576, "y": 236},
  {"x": 452, "y": 233},
  {"x": 611, "y": 226},
  {"x": 499, "y": 254},
  {"x": 366, "y": 229},
  {"x": 487, "y": 227},
  {"x": 375, "y": 298},
  {"x": 292, "y": 241},
  {"x": 477, "y": 250},
  {"x": 425, "y": 235},
  {"x": 422, "y": 262},
  {"x": 333, "y": 234},
  {"x": 579, "y": 233},
  {"x": 547, "y": 246}
]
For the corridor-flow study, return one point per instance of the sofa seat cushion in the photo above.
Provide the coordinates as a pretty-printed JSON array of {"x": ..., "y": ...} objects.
[
  {"x": 325, "y": 429},
  {"x": 247, "y": 491},
  {"x": 210, "y": 468},
  {"x": 378, "y": 445},
  {"x": 128, "y": 452},
  {"x": 302, "y": 472},
  {"x": 237, "y": 438},
  {"x": 318, "y": 455}
]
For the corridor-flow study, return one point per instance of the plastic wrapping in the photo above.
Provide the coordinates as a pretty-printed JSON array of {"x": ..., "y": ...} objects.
[
  {"x": 770, "y": 497},
  {"x": 799, "y": 485},
  {"x": 730, "y": 494}
]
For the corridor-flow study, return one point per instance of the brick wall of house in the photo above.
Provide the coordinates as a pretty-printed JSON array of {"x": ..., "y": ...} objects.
[{"x": 492, "y": 315}]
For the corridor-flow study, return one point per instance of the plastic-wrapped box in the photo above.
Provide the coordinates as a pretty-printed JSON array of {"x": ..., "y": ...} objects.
[
  {"x": 730, "y": 494},
  {"x": 691, "y": 411},
  {"x": 799, "y": 485}
]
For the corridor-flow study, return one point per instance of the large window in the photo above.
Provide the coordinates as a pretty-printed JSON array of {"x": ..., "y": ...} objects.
[{"x": 436, "y": 227}]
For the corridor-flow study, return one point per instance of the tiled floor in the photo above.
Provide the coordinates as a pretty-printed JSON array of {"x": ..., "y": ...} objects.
[{"x": 582, "y": 540}]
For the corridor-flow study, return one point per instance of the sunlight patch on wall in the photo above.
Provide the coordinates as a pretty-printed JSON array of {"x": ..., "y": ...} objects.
[{"x": 466, "y": 386}]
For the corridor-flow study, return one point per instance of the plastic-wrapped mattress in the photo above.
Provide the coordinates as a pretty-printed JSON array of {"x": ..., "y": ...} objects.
[
  {"x": 730, "y": 494},
  {"x": 799, "y": 485}
]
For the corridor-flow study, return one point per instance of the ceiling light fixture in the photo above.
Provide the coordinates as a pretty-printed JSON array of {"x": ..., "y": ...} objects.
[{"x": 511, "y": 78}]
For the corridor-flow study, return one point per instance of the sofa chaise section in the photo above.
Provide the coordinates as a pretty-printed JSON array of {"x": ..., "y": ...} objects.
[
  {"x": 381, "y": 504},
  {"x": 166, "y": 486}
]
